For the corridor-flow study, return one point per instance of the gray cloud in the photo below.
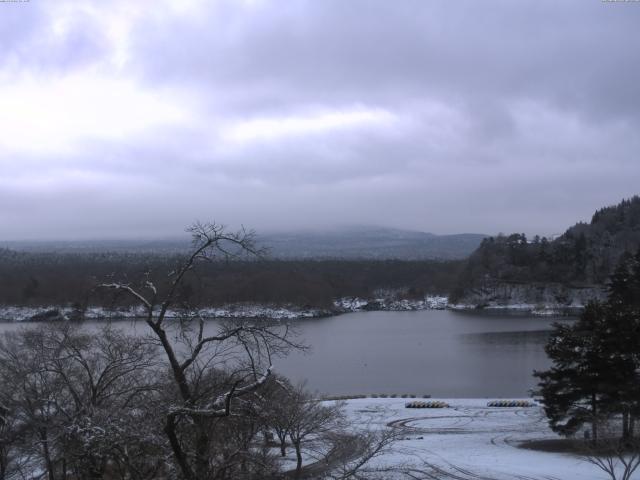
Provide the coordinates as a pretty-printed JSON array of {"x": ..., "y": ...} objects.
[
  {"x": 361, "y": 51},
  {"x": 473, "y": 116},
  {"x": 42, "y": 37}
]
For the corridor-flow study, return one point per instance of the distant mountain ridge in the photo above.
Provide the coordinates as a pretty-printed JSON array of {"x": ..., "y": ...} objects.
[
  {"x": 371, "y": 243},
  {"x": 378, "y": 243}
]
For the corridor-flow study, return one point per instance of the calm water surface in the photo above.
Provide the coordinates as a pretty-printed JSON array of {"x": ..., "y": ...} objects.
[{"x": 437, "y": 352}]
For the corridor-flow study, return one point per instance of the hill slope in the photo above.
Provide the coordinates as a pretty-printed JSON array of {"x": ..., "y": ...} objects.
[
  {"x": 371, "y": 243},
  {"x": 569, "y": 270}
]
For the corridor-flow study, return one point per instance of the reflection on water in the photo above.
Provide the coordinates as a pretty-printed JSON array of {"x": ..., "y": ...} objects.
[
  {"x": 524, "y": 338},
  {"x": 437, "y": 352}
]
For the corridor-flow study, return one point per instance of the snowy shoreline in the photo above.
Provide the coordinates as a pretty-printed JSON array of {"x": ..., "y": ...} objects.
[
  {"x": 55, "y": 313},
  {"x": 236, "y": 311},
  {"x": 13, "y": 313},
  {"x": 530, "y": 308}
]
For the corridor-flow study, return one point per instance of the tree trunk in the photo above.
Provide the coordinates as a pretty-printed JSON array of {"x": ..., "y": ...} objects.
[
  {"x": 178, "y": 374},
  {"x": 176, "y": 447},
  {"x": 283, "y": 442},
  {"x": 94, "y": 471},
  {"x": 297, "y": 446},
  {"x": 632, "y": 426},
  {"x": 625, "y": 424},
  {"x": 594, "y": 421},
  {"x": 202, "y": 458},
  {"x": 4, "y": 456},
  {"x": 46, "y": 454}
]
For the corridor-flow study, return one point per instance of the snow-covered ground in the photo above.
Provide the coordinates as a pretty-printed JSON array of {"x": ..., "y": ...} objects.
[{"x": 469, "y": 441}]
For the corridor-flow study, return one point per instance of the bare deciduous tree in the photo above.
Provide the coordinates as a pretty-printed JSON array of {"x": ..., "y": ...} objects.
[
  {"x": 277, "y": 409},
  {"x": 618, "y": 458},
  {"x": 364, "y": 448},
  {"x": 74, "y": 399},
  {"x": 310, "y": 422},
  {"x": 194, "y": 358}
]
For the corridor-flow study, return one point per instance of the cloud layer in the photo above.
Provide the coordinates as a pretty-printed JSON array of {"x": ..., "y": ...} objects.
[{"x": 135, "y": 118}]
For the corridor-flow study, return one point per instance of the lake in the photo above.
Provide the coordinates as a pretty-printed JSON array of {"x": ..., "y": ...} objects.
[
  {"x": 438, "y": 352},
  {"x": 442, "y": 353}
]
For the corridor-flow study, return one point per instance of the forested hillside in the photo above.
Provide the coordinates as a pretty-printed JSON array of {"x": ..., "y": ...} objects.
[
  {"x": 36, "y": 279},
  {"x": 584, "y": 256}
]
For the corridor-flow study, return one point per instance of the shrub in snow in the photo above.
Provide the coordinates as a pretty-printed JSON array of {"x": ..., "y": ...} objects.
[
  {"x": 429, "y": 404},
  {"x": 511, "y": 403}
]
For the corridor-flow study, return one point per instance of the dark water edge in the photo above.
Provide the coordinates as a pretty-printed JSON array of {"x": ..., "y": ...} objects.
[{"x": 442, "y": 353}]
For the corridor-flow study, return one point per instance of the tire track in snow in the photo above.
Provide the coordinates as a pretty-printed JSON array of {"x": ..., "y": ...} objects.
[{"x": 516, "y": 422}]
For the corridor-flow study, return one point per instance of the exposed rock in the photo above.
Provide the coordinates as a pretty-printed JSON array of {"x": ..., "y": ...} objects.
[
  {"x": 52, "y": 315},
  {"x": 542, "y": 299},
  {"x": 390, "y": 304}
]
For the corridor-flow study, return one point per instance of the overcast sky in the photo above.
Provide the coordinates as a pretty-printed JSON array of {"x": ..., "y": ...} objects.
[{"x": 135, "y": 118}]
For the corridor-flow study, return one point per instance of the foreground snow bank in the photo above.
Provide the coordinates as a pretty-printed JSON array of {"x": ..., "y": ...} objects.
[{"x": 469, "y": 440}]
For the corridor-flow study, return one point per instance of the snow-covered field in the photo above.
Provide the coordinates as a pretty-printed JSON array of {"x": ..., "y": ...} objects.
[{"x": 470, "y": 441}]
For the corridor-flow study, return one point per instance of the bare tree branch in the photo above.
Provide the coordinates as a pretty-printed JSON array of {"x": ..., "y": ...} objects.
[{"x": 127, "y": 288}]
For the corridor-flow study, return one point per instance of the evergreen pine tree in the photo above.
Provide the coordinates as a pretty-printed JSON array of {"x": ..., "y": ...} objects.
[
  {"x": 575, "y": 391},
  {"x": 621, "y": 340},
  {"x": 595, "y": 374}
]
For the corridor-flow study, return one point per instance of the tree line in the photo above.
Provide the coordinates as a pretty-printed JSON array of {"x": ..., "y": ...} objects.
[{"x": 36, "y": 279}]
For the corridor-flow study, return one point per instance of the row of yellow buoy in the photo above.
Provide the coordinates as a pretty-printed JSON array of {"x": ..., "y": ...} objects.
[
  {"x": 510, "y": 403},
  {"x": 430, "y": 404}
]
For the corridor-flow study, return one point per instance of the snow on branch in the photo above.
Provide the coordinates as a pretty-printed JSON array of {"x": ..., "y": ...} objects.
[
  {"x": 221, "y": 406},
  {"x": 199, "y": 346},
  {"x": 127, "y": 288}
]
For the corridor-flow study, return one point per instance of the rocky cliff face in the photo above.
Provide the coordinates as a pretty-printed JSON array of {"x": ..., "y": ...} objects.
[{"x": 530, "y": 296}]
